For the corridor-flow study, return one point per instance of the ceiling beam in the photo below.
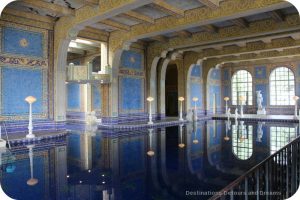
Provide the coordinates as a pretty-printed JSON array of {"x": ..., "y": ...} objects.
[
  {"x": 277, "y": 15},
  {"x": 115, "y": 25},
  {"x": 167, "y": 8},
  {"x": 95, "y": 30},
  {"x": 138, "y": 17},
  {"x": 50, "y": 7},
  {"x": 91, "y": 3},
  {"x": 185, "y": 34},
  {"x": 241, "y": 22},
  {"x": 210, "y": 28},
  {"x": 78, "y": 45},
  {"x": 213, "y": 4},
  {"x": 159, "y": 38},
  {"x": 29, "y": 15},
  {"x": 76, "y": 51}
]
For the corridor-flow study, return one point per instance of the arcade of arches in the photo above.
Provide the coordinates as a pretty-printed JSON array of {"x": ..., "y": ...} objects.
[{"x": 107, "y": 57}]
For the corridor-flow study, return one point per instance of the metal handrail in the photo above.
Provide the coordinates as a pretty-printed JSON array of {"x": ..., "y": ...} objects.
[
  {"x": 239, "y": 180},
  {"x": 7, "y": 140}
]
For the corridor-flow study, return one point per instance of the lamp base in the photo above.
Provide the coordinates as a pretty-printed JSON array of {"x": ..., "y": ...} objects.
[
  {"x": 30, "y": 135},
  {"x": 181, "y": 119},
  {"x": 150, "y": 122}
]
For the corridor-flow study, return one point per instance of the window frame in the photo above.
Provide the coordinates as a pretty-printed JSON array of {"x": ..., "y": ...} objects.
[
  {"x": 291, "y": 102},
  {"x": 247, "y": 103}
]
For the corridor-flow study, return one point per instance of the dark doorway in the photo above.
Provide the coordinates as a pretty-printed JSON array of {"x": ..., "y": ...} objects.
[{"x": 171, "y": 91}]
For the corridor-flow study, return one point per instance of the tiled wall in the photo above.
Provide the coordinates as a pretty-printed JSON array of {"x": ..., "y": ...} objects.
[
  {"x": 73, "y": 97},
  {"x": 131, "y": 85},
  {"x": 25, "y": 71},
  {"x": 214, "y": 91},
  {"x": 196, "y": 88},
  {"x": 260, "y": 78},
  {"x": 96, "y": 98}
]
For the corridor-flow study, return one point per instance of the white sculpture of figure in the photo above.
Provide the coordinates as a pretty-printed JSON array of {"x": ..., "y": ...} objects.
[{"x": 259, "y": 99}]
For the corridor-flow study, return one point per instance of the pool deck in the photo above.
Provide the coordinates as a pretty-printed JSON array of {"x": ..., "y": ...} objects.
[
  {"x": 19, "y": 138},
  {"x": 253, "y": 117}
]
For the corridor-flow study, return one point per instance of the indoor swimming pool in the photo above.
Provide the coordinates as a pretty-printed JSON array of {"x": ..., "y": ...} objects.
[{"x": 165, "y": 163}]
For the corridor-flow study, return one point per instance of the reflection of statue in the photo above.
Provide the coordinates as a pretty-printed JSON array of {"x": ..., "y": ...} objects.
[
  {"x": 259, "y": 100},
  {"x": 259, "y": 131}
]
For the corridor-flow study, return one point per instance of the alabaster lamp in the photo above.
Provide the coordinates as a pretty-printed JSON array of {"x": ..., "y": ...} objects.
[
  {"x": 150, "y": 99},
  {"x": 180, "y": 99},
  {"x": 195, "y": 99},
  {"x": 242, "y": 100},
  {"x": 30, "y": 100},
  {"x": 181, "y": 144},
  {"x": 226, "y": 99},
  {"x": 32, "y": 181},
  {"x": 150, "y": 152},
  {"x": 296, "y": 102}
]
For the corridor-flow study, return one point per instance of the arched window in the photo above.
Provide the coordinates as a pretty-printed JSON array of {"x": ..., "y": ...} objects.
[
  {"x": 242, "y": 141},
  {"x": 282, "y": 86},
  {"x": 242, "y": 86}
]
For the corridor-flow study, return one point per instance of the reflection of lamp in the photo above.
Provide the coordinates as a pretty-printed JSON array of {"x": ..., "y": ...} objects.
[
  {"x": 195, "y": 140},
  {"x": 30, "y": 100},
  {"x": 32, "y": 181},
  {"x": 181, "y": 144},
  {"x": 150, "y": 99},
  {"x": 296, "y": 100},
  {"x": 242, "y": 99},
  {"x": 226, "y": 99},
  {"x": 228, "y": 124},
  {"x": 181, "y": 99},
  {"x": 150, "y": 152},
  {"x": 195, "y": 99}
]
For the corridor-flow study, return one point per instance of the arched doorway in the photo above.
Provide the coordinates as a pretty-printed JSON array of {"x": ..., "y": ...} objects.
[{"x": 171, "y": 91}]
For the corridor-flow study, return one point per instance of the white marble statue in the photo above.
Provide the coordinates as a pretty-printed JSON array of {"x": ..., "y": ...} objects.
[{"x": 259, "y": 99}]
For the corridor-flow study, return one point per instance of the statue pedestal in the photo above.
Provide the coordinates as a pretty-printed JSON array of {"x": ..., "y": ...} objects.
[{"x": 261, "y": 112}]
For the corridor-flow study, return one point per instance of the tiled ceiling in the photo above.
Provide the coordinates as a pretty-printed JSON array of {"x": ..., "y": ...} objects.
[
  {"x": 185, "y": 4},
  {"x": 149, "y": 11}
]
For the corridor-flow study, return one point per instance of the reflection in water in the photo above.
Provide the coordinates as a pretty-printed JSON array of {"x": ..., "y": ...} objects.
[
  {"x": 150, "y": 151},
  {"x": 204, "y": 156},
  {"x": 195, "y": 140},
  {"x": 32, "y": 181},
  {"x": 181, "y": 144},
  {"x": 242, "y": 140},
  {"x": 260, "y": 132},
  {"x": 280, "y": 136}
]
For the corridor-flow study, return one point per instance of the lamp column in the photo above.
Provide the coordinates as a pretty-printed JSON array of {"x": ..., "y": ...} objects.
[
  {"x": 30, "y": 100},
  {"x": 150, "y": 99},
  {"x": 180, "y": 99}
]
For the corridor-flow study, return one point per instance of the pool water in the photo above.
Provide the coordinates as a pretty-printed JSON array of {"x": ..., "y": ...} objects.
[{"x": 180, "y": 162}]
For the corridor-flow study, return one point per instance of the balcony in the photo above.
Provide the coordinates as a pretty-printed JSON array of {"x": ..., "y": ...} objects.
[{"x": 85, "y": 74}]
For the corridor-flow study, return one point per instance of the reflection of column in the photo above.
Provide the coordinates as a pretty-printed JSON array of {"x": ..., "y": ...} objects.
[
  {"x": 32, "y": 181},
  {"x": 153, "y": 163},
  {"x": 86, "y": 151},
  {"x": 61, "y": 172},
  {"x": 163, "y": 156}
]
